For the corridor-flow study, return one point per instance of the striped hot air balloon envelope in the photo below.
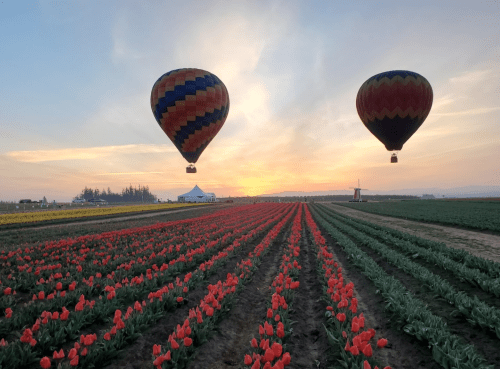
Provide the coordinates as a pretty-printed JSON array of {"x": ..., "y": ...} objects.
[
  {"x": 393, "y": 105},
  {"x": 191, "y": 106}
]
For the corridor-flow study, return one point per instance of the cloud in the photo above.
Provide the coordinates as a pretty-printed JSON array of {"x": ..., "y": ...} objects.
[
  {"x": 473, "y": 77},
  {"x": 475, "y": 111},
  {"x": 86, "y": 153}
]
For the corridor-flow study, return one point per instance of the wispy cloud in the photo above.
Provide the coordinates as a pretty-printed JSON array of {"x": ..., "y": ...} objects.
[
  {"x": 86, "y": 153},
  {"x": 471, "y": 77},
  {"x": 469, "y": 112}
]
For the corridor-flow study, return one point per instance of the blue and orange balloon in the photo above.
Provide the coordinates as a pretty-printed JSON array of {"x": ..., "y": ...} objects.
[
  {"x": 191, "y": 106},
  {"x": 393, "y": 105}
]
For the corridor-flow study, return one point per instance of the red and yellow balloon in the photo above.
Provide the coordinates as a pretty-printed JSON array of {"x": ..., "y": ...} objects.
[
  {"x": 393, "y": 105},
  {"x": 191, "y": 106}
]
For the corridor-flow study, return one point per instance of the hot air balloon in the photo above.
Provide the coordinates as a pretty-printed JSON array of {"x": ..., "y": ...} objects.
[
  {"x": 191, "y": 106},
  {"x": 393, "y": 105}
]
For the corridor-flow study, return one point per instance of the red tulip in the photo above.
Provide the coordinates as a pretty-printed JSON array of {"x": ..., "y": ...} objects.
[
  {"x": 158, "y": 361},
  {"x": 277, "y": 349},
  {"x": 248, "y": 360},
  {"x": 187, "y": 341},
  {"x": 269, "y": 313},
  {"x": 156, "y": 350},
  {"x": 72, "y": 353},
  {"x": 381, "y": 342},
  {"x": 366, "y": 365},
  {"x": 367, "y": 351},
  {"x": 254, "y": 343},
  {"x": 354, "y": 350},
  {"x": 64, "y": 315},
  {"x": 45, "y": 362},
  {"x": 269, "y": 355},
  {"x": 355, "y": 327},
  {"x": 8, "y": 291},
  {"x": 280, "y": 331},
  {"x": 341, "y": 317},
  {"x": 74, "y": 361},
  {"x": 269, "y": 329},
  {"x": 286, "y": 358},
  {"x": 174, "y": 344},
  {"x": 256, "y": 365}
]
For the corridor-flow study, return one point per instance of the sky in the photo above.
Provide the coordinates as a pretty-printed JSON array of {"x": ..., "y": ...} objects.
[{"x": 76, "y": 79}]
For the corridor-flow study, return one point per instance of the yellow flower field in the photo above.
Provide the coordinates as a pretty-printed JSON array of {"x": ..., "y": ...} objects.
[{"x": 78, "y": 213}]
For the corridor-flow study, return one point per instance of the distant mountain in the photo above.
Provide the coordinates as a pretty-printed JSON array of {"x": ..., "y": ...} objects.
[{"x": 461, "y": 192}]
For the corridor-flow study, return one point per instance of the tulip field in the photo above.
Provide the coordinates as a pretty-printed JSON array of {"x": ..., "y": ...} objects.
[{"x": 265, "y": 285}]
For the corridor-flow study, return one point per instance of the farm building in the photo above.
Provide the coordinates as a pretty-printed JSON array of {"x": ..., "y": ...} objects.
[
  {"x": 427, "y": 196},
  {"x": 196, "y": 195}
]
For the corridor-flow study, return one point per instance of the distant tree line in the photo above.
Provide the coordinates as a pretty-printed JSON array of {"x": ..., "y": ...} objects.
[{"x": 129, "y": 194}]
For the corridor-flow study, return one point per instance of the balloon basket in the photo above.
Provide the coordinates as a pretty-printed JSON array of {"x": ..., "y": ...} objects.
[
  {"x": 191, "y": 169},
  {"x": 394, "y": 158}
]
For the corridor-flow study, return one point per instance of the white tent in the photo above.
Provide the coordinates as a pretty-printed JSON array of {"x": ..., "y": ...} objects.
[{"x": 196, "y": 195}]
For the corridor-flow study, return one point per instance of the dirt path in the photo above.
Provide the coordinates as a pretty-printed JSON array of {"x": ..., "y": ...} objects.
[{"x": 477, "y": 243}]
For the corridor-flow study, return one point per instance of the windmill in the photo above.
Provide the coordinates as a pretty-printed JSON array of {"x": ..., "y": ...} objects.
[{"x": 357, "y": 194}]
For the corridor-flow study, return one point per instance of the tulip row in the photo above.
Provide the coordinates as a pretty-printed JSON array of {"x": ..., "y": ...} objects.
[
  {"x": 70, "y": 254},
  {"x": 126, "y": 290},
  {"x": 447, "y": 349},
  {"x": 275, "y": 331},
  {"x": 39, "y": 216},
  {"x": 476, "y": 311},
  {"x": 98, "y": 309},
  {"x": 50, "y": 301},
  {"x": 202, "y": 320},
  {"x": 167, "y": 298},
  {"x": 343, "y": 325}
]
